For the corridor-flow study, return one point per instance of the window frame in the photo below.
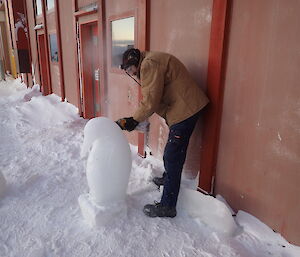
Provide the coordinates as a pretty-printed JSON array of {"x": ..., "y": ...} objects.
[
  {"x": 36, "y": 8},
  {"x": 52, "y": 8},
  {"x": 125, "y": 15},
  {"x": 50, "y": 49}
]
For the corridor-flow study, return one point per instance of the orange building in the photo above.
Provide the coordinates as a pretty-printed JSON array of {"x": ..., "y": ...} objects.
[{"x": 244, "y": 53}]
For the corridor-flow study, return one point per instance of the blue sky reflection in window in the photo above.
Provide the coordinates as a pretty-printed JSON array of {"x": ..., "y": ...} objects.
[{"x": 122, "y": 31}]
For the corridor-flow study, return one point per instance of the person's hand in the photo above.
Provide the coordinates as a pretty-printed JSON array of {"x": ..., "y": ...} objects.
[{"x": 128, "y": 124}]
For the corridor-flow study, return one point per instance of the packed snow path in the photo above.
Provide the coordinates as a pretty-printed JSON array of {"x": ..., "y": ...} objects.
[{"x": 40, "y": 216}]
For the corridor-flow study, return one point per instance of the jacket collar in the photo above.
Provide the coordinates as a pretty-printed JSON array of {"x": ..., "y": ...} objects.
[{"x": 143, "y": 54}]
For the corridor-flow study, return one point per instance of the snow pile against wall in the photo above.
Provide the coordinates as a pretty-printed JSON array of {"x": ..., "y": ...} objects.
[
  {"x": 257, "y": 228},
  {"x": 12, "y": 89},
  {"x": 208, "y": 210},
  {"x": 264, "y": 234},
  {"x": 108, "y": 168},
  {"x": 49, "y": 110}
]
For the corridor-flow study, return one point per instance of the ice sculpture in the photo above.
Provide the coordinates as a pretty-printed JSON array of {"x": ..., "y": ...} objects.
[
  {"x": 208, "y": 210},
  {"x": 108, "y": 169},
  {"x": 2, "y": 184}
]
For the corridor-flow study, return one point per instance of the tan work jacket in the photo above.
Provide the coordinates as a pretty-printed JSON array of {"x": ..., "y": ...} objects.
[{"x": 167, "y": 89}]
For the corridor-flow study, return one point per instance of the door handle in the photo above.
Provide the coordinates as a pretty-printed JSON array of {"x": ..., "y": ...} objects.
[{"x": 97, "y": 74}]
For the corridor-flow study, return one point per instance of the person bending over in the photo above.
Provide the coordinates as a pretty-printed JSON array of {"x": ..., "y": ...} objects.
[{"x": 168, "y": 90}]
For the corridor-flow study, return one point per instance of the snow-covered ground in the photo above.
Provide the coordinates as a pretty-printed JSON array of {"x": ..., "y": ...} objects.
[{"x": 41, "y": 139}]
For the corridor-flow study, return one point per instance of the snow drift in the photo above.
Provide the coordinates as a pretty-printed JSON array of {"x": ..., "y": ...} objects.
[
  {"x": 208, "y": 210},
  {"x": 49, "y": 110}
]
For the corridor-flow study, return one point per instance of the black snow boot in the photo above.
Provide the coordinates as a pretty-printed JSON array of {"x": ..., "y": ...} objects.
[
  {"x": 159, "y": 181},
  {"x": 158, "y": 210}
]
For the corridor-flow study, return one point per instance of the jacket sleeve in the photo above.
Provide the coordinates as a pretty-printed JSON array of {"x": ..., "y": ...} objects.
[{"x": 152, "y": 81}]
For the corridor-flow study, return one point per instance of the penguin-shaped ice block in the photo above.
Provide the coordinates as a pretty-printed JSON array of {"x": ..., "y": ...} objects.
[{"x": 108, "y": 169}]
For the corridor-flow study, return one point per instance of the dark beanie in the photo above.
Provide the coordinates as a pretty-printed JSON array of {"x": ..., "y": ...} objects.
[{"x": 131, "y": 57}]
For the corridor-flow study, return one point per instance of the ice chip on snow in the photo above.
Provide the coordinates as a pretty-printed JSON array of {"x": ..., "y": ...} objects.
[
  {"x": 2, "y": 184},
  {"x": 208, "y": 210},
  {"x": 108, "y": 169}
]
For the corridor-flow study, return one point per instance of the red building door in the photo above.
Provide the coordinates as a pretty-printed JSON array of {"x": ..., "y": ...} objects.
[
  {"x": 125, "y": 28},
  {"x": 90, "y": 69},
  {"x": 45, "y": 84}
]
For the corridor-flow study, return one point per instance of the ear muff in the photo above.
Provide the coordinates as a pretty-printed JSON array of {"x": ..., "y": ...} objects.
[{"x": 131, "y": 57}]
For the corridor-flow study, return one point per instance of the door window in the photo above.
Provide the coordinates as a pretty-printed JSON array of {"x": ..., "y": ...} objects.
[
  {"x": 38, "y": 7},
  {"x": 50, "y": 4},
  {"x": 122, "y": 32},
  {"x": 53, "y": 47}
]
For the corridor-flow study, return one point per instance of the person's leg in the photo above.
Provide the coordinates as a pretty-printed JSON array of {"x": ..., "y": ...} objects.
[
  {"x": 174, "y": 158},
  {"x": 190, "y": 122}
]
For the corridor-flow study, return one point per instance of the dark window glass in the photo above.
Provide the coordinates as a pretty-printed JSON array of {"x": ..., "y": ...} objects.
[
  {"x": 50, "y": 4},
  {"x": 38, "y": 7},
  {"x": 53, "y": 47},
  {"x": 122, "y": 38}
]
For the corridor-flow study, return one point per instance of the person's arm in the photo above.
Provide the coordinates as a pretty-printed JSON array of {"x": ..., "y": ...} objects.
[{"x": 152, "y": 81}]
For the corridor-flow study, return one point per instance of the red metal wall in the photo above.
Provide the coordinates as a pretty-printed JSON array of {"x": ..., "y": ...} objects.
[
  {"x": 68, "y": 46},
  {"x": 54, "y": 66},
  {"x": 9, "y": 35},
  {"x": 122, "y": 92},
  {"x": 20, "y": 31},
  {"x": 169, "y": 21},
  {"x": 183, "y": 30},
  {"x": 33, "y": 41},
  {"x": 83, "y": 3},
  {"x": 259, "y": 153},
  {"x": 6, "y": 48}
]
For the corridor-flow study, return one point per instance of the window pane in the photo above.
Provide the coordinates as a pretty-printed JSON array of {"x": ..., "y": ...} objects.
[
  {"x": 122, "y": 38},
  {"x": 50, "y": 4},
  {"x": 38, "y": 7},
  {"x": 53, "y": 48}
]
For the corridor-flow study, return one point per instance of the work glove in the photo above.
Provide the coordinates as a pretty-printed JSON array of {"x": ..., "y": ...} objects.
[{"x": 128, "y": 124}]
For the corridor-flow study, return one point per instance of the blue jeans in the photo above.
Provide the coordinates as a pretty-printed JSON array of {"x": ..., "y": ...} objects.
[{"x": 174, "y": 158}]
